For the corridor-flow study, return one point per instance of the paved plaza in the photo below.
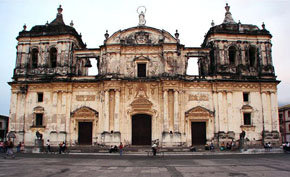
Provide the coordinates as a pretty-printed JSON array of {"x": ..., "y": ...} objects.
[{"x": 36, "y": 165}]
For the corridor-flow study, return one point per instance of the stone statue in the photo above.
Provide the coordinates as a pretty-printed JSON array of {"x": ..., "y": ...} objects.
[
  {"x": 142, "y": 20},
  {"x": 38, "y": 135}
]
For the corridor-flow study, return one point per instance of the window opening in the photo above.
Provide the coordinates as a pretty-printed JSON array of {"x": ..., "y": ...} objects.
[
  {"x": 39, "y": 119},
  {"x": 252, "y": 56},
  {"x": 40, "y": 97},
  {"x": 94, "y": 69},
  {"x": 141, "y": 70},
  {"x": 232, "y": 55},
  {"x": 192, "y": 66},
  {"x": 246, "y": 97},
  {"x": 53, "y": 57},
  {"x": 247, "y": 118},
  {"x": 34, "y": 58}
]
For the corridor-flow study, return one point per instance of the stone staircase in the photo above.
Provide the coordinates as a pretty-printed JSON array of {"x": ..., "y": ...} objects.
[{"x": 129, "y": 149}]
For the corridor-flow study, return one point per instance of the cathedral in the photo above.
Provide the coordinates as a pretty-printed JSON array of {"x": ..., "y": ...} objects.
[{"x": 142, "y": 93}]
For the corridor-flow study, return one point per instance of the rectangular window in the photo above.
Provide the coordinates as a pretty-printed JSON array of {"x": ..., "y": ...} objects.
[
  {"x": 1, "y": 125},
  {"x": 247, "y": 118},
  {"x": 38, "y": 120},
  {"x": 40, "y": 97},
  {"x": 246, "y": 97},
  {"x": 289, "y": 113},
  {"x": 289, "y": 126},
  {"x": 141, "y": 70}
]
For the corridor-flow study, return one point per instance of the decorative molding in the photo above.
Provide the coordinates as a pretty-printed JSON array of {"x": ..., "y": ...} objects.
[
  {"x": 198, "y": 97},
  {"x": 85, "y": 97}
]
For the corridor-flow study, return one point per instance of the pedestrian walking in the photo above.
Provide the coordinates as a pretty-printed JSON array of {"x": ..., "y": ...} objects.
[
  {"x": 121, "y": 148},
  {"x": 48, "y": 146}
]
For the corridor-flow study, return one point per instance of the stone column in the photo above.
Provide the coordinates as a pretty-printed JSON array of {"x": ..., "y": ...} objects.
[
  {"x": 106, "y": 112},
  {"x": 220, "y": 111},
  {"x": 165, "y": 111},
  {"x": 176, "y": 112},
  {"x": 265, "y": 111},
  {"x": 230, "y": 111},
  {"x": 216, "y": 108},
  {"x": 117, "y": 108},
  {"x": 274, "y": 109}
]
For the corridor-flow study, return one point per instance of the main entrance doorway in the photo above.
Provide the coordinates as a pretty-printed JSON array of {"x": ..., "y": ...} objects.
[
  {"x": 198, "y": 133},
  {"x": 141, "y": 129},
  {"x": 85, "y": 133}
]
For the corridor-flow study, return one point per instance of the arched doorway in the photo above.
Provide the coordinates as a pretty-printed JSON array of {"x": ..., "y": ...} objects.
[{"x": 141, "y": 129}]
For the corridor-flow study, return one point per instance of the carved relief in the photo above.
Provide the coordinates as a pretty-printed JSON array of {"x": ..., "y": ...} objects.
[
  {"x": 198, "y": 97},
  {"x": 153, "y": 86},
  {"x": 85, "y": 97},
  {"x": 141, "y": 91}
]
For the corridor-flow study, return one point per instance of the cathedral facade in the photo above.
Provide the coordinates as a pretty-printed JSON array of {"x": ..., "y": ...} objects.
[{"x": 142, "y": 93}]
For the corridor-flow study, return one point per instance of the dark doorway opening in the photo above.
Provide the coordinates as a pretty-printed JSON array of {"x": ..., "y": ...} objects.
[
  {"x": 85, "y": 133},
  {"x": 198, "y": 133},
  {"x": 141, "y": 129}
]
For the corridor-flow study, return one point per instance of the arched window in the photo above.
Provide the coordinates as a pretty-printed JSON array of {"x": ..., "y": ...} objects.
[
  {"x": 53, "y": 57},
  {"x": 232, "y": 55},
  {"x": 252, "y": 55},
  {"x": 34, "y": 58}
]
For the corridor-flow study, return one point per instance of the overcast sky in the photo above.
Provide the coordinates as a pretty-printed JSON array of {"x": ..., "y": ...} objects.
[{"x": 192, "y": 18}]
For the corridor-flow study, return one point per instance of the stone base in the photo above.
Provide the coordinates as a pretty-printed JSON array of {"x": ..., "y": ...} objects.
[
  {"x": 171, "y": 139},
  {"x": 111, "y": 138},
  {"x": 38, "y": 146}
]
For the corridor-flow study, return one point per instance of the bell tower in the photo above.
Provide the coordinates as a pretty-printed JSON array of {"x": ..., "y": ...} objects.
[
  {"x": 239, "y": 50},
  {"x": 46, "y": 51}
]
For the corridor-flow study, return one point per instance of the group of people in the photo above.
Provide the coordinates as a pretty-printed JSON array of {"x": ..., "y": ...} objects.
[
  {"x": 268, "y": 146},
  {"x": 117, "y": 149},
  {"x": 7, "y": 147},
  {"x": 229, "y": 146}
]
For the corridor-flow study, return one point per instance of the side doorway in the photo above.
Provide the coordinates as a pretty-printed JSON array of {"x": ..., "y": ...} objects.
[
  {"x": 85, "y": 133},
  {"x": 198, "y": 133}
]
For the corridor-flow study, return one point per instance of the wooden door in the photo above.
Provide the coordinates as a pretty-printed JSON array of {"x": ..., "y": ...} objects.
[
  {"x": 85, "y": 133},
  {"x": 198, "y": 133},
  {"x": 141, "y": 129}
]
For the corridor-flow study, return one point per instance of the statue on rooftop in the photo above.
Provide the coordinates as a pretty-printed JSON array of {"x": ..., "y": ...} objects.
[{"x": 141, "y": 11}]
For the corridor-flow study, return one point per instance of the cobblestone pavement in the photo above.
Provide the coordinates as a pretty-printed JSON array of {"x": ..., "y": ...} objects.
[{"x": 36, "y": 165}]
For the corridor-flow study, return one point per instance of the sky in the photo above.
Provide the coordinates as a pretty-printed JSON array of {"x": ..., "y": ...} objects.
[{"x": 192, "y": 18}]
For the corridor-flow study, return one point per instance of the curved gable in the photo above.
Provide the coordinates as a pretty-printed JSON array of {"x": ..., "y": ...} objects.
[{"x": 141, "y": 35}]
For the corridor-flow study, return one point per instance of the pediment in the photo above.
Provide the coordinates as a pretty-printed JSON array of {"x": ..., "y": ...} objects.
[
  {"x": 141, "y": 103},
  {"x": 140, "y": 36},
  {"x": 199, "y": 111},
  {"x": 84, "y": 112}
]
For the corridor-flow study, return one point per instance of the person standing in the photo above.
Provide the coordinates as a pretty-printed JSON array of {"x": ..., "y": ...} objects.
[
  {"x": 154, "y": 149},
  {"x": 121, "y": 148},
  {"x": 48, "y": 146}
]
